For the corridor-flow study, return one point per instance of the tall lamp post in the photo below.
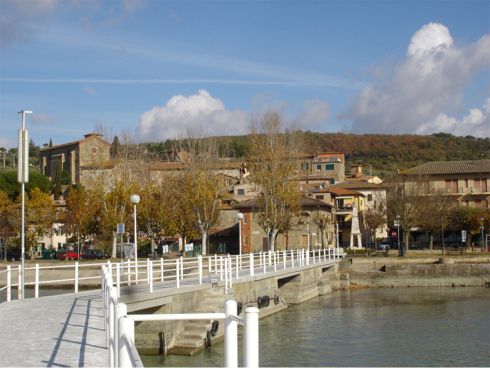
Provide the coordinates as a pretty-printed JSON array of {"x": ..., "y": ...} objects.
[
  {"x": 23, "y": 178},
  {"x": 240, "y": 219},
  {"x": 135, "y": 199},
  {"x": 397, "y": 224}
]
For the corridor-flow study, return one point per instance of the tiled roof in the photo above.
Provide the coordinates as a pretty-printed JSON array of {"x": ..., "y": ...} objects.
[
  {"x": 342, "y": 191},
  {"x": 359, "y": 185},
  {"x": 450, "y": 167},
  {"x": 304, "y": 202}
]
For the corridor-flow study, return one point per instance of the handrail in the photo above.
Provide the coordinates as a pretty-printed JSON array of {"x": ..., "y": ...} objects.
[{"x": 180, "y": 271}]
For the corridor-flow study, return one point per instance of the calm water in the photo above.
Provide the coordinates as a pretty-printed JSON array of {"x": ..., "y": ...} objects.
[{"x": 372, "y": 327}]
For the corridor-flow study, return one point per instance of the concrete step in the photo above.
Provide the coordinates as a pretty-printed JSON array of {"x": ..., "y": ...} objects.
[{"x": 189, "y": 343}]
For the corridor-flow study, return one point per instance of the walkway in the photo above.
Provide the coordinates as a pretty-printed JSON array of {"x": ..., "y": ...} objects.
[{"x": 67, "y": 332}]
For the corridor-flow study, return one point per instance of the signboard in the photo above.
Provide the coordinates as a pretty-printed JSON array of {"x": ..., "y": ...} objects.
[
  {"x": 463, "y": 236},
  {"x": 396, "y": 223},
  {"x": 164, "y": 249},
  {"x": 189, "y": 247},
  {"x": 120, "y": 229}
]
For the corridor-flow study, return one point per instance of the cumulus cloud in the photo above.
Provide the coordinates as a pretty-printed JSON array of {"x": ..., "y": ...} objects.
[
  {"x": 475, "y": 123},
  {"x": 424, "y": 87},
  {"x": 196, "y": 113}
]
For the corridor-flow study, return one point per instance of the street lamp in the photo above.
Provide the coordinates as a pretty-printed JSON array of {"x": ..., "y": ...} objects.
[
  {"x": 135, "y": 199},
  {"x": 23, "y": 178},
  {"x": 240, "y": 219},
  {"x": 482, "y": 221},
  {"x": 397, "y": 224}
]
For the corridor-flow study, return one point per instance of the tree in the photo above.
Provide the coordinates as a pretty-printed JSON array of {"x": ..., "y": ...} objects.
[
  {"x": 115, "y": 147},
  {"x": 322, "y": 220},
  {"x": 374, "y": 219},
  {"x": 405, "y": 198},
  {"x": 79, "y": 212},
  {"x": 40, "y": 216},
  {"x": 9, "y": 184},
  {"x": 272, "y": 164},
  {"x": 9, "y": 221}
]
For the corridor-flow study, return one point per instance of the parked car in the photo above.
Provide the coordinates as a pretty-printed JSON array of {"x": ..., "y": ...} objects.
[
  {"x": 93, "y": 254},
  {"x": 65, "y": 254},
  {"x": 388, "y": 243}
]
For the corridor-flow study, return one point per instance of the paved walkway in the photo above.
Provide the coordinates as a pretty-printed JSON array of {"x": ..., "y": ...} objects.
[{"x": 54, "y": 331}]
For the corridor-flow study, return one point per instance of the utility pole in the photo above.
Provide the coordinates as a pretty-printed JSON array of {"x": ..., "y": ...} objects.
[{"x": 23, "y": 178}]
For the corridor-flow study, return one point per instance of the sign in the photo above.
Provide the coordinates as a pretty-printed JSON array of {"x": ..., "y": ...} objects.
[
  {"x": 463, "y": 236},
  {"x": 396, "y": 223},
  {"x": 120, "y": 229},
  {"x": 164, "y": 249},
  {"x": 189, "y": 247}
]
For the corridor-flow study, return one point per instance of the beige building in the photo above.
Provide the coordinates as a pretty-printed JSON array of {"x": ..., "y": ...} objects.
[
  {"x": 468, "y": 182},
  {"x": 75, "y": 157}
]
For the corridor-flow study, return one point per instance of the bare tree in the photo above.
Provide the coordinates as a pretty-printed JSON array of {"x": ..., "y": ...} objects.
[{"x": 272, "y": 165}]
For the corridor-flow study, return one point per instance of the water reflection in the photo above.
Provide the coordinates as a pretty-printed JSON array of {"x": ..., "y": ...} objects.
[{"x": 372, "y": 327}]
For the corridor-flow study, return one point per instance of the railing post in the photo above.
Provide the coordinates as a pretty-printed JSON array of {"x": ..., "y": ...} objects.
[
  {"x": 251, "y": 265},
  {"x": 260, "y": 259},
  {"x": 270, "y": 258},
  {"x": 177, "y": 272},
  {"x": 181, "y": 267},
  {"x": 284, "y": 259},
  {"x": 19, "y": 282},
  {"x": 121, "y": 311},
  {"x": 112, "y": 318},
  {"x": 129, "y": 272},
  {"x": 76, "y": 277},
  {"x": 161, "y": 270},
  {"x": 36, "y": 282},
  {"x": 226, "y": 275},
  {"x": 231, "y": 339},
  {"x": 292, "y": 258},
  {"x": 215, "y": 264},
  {"x": 118, "y": 279},
  {"x": 237, "y": 259},
  {"x": 148, "y": 271},
  {"x": 251, "y": 338},
  {"x": 275, "y": 261},
  {"x": 264, "y": 262},
  {"x": 9, "y": 284},
  {"x": 210, "y": 267},
  {"x": 199, "y": 268},
  {"x": 126, "y": 337},
  {"x": 221, "y": 268},
  {"x": 136, "y": 274},
  {"x": 150, "y": 275}
]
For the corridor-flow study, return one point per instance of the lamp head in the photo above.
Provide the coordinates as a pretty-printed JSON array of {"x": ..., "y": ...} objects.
[
  {"x": 135, "y": 199},
  {"x": 240, "y": 216}
]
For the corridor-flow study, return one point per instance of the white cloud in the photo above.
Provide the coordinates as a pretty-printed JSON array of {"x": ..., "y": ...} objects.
[
  {"x": 475, "y": 123},
  {"x": 314, "y": 114},
  {"x": 200, "y": 112},
  {"x": 426, "y": 85}
]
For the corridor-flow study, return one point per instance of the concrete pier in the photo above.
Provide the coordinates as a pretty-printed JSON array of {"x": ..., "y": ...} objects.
[{"x": 63, "y": 330}]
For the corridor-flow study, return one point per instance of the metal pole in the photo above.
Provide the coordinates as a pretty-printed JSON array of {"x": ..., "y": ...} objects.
[
  {"x": 135, "y": 244},
  {"x": 251, "y": 338},
  {"x": 240, "y": 237},
  {"x": 231, "y": 339}
]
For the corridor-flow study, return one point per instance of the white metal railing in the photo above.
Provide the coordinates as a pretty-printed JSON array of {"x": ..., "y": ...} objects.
[
  {"x": 120, "y": 337},
  {"x": 169, "y": 273}
]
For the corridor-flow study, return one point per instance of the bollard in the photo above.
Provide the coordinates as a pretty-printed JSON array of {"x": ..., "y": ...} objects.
[
  {"x": 231, "y": 338},
  {"x": 36, "y": 282},
  {"x": 126, "y": 337},
  {"x": 251, "y": 338}
]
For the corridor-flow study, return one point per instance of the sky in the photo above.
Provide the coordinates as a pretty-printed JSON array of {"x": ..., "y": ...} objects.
[{"x": 154, "y": 70}]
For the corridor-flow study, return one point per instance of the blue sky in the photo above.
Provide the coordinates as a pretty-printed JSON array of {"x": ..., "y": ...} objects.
[{"x": 152, "y": 70}]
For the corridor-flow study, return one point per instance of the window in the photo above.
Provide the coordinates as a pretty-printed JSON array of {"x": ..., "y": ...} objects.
[
  {"x": 318, "y": 167},
  {"x": 480, "y": 185},
  {"x": 370, "y": 197},
  {"x": 329, "y": 167},
  {"x": 305, "y": 166},
  {"x": 240, "y": 192},
  {"x": 451, "y": 185},
  {"x": 319, "y": 196}
]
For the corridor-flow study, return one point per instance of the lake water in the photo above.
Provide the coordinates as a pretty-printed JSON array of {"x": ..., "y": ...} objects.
[{"x": 370, "y": 327}]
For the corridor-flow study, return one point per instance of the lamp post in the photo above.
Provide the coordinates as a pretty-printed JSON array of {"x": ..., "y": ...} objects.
[
  {"x": 482, "y": 226},
  {"x": 397, "y": 224},
  {"x": 135, "y": 199},
  {"x": 23, "y": 178},
  {"x": 240, "y": 219}
]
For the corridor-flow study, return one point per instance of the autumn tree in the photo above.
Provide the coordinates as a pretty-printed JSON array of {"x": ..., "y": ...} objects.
[
  {"x": 322, "y": 220},
  {"x": 375, "y": 219},
  {"x": 40, "y": 216},
  {"x": 272, "y": 165},
  {"x": 9, "y": 221},
  {"x": 79, "y": 212}
]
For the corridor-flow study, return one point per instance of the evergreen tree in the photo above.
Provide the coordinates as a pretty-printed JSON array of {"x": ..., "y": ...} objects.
[{"x": 115, "y": 147}]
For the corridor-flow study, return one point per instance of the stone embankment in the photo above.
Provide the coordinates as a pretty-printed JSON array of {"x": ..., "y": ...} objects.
[{"x": 416, "y": 272}]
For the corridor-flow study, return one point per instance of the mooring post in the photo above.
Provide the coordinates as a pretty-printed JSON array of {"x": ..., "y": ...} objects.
[
  {"x": 231, "y": 338},
  {"x": 251, "y": 338}
]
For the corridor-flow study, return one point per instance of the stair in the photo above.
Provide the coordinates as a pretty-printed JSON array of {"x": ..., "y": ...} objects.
[{"x": 196, "y": 334}]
